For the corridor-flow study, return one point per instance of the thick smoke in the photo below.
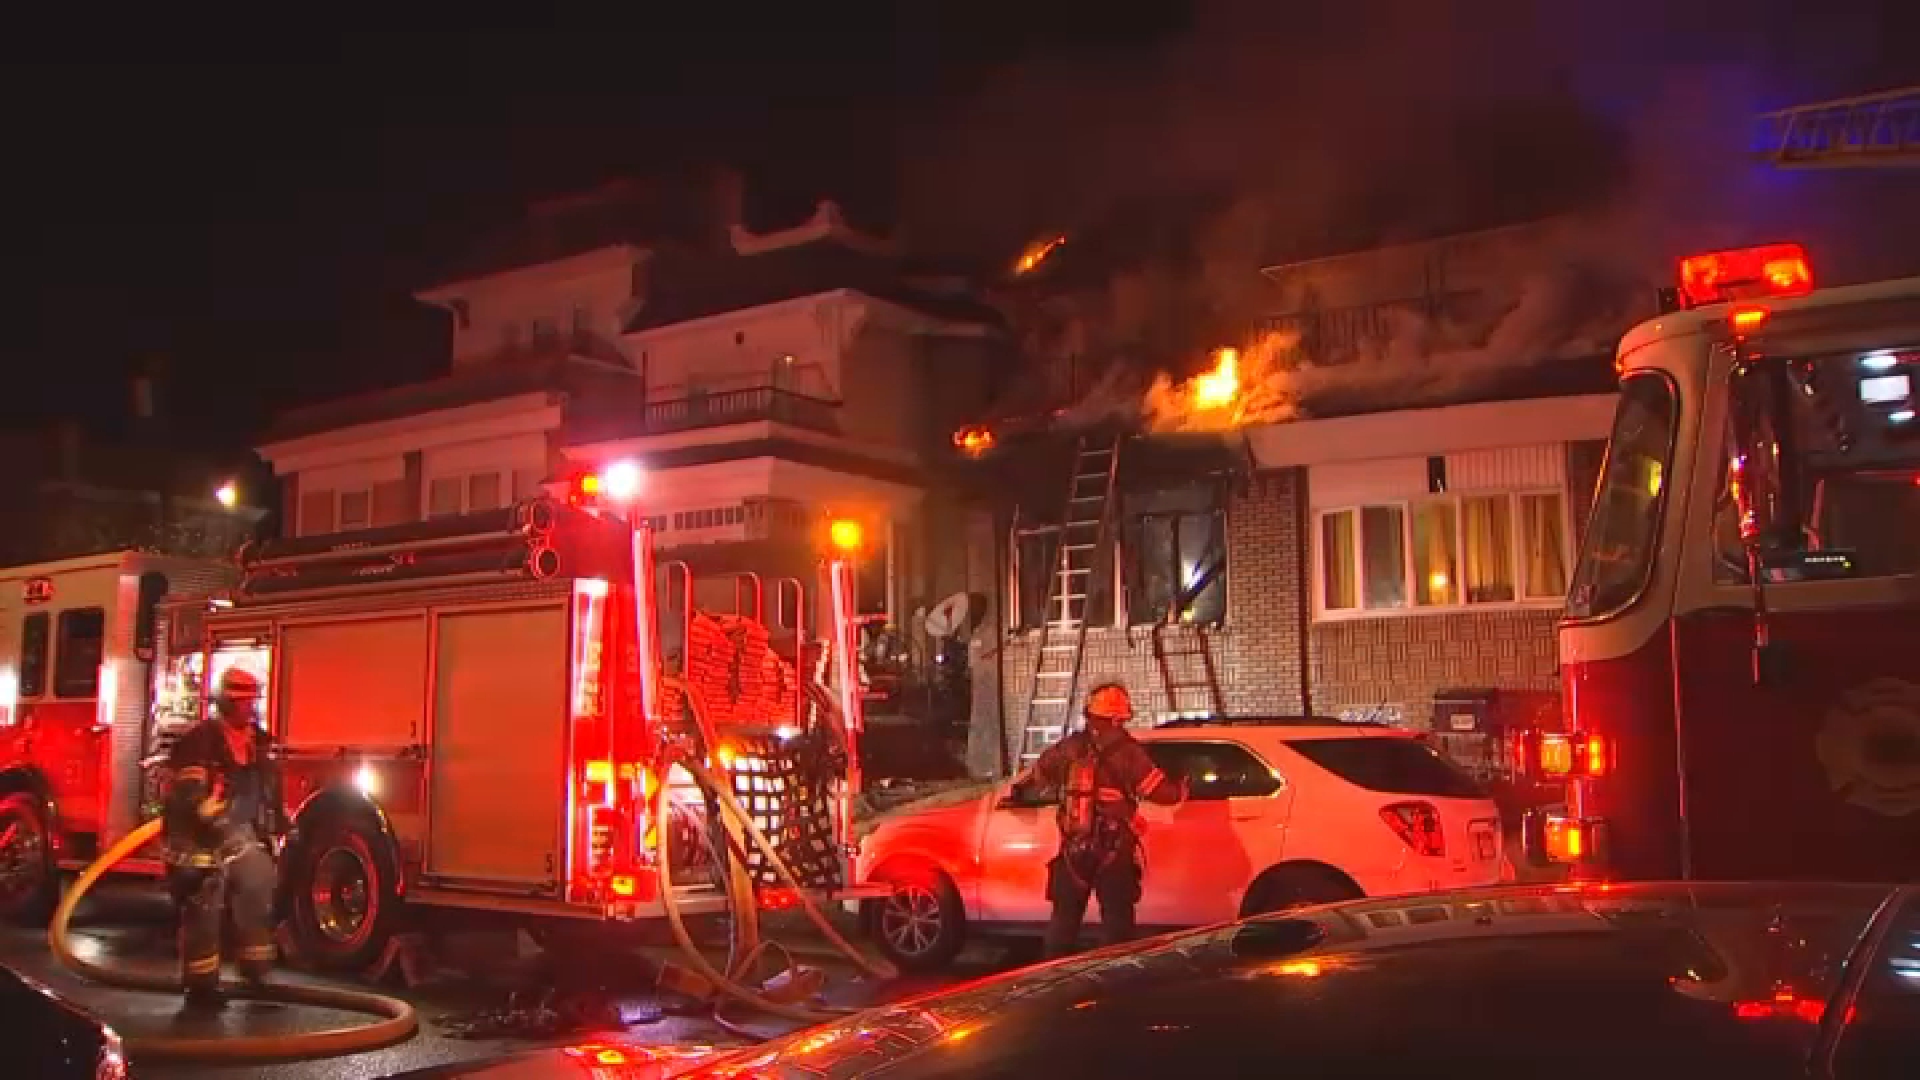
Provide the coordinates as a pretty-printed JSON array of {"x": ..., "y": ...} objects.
[{"x": 1270, "y": 133}]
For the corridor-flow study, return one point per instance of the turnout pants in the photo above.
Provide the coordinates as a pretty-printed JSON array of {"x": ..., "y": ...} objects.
[
  {"x": 240, "y": 882},
  {"x": 1116, "y": 885}
]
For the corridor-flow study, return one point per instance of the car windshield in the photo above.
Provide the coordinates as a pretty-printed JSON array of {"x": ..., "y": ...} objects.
[
  {"x": 1397, "y": 766},
  {"x": 1647, "y": 981},
  {"x": 1617, "y": 559}
]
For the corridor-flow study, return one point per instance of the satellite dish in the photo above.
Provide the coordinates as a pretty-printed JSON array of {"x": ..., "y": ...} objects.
[{"x": 948, "y": 617}]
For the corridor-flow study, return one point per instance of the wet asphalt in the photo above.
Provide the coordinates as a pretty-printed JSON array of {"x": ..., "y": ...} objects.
[{"x": 475, "y": 970}]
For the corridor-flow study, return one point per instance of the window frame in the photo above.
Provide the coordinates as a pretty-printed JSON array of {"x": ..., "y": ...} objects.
[
  {"x": 1279, "y": 778},
  {"x": 57, "y": 686},
  {"x": 1124, "y": 615},
  {"x": 505, "y": 477},
  {"x": 37, "y": 688},
  {"x": 1408, "y": 508},
  {"x": 340, "y": 498}
]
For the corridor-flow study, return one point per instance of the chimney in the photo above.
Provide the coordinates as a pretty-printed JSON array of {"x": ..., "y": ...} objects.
[{"x": 726, "y": 207}]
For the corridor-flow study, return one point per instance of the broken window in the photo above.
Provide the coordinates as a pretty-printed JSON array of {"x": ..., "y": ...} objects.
[{"x": 1175, "y": 551}]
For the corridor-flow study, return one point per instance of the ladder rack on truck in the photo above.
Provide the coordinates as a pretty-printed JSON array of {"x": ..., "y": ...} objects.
[{"x": 469, "y": 714}]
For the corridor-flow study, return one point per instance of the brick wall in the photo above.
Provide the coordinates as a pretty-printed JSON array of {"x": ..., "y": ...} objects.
[
  {"x": 1256, "y": 654},
  {"x": 1394, "y": 665},
  {"x": 1390, "y": 668}
]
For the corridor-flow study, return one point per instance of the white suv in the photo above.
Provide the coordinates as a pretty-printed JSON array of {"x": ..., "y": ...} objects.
[{"x": 1280, "y": 813}]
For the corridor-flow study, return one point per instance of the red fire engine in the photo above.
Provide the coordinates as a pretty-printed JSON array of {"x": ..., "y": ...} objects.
[
  {"x": 472, "y": 712},
  {"x": 1738, "y": 654},
  {"x": 475, "y": 712},
  {"x": 77, "y": 642}
]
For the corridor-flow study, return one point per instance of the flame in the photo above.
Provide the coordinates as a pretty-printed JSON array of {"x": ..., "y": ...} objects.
[
  {"x": 974, "y": 441},
  {"x": 1036, "y": 253},
  {"x": 1217, "y": 388},
  {"x": 1247, "y": 385}
]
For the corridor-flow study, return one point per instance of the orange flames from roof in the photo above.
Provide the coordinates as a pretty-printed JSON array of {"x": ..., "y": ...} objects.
[
  {"x": 1244, "y": 386},
  {"x": 1037, "y": 253},
  {"x": 974, "y": 441}
]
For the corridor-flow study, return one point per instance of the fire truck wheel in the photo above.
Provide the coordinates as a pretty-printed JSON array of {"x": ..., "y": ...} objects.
[
  {"x": 29, "y": 888},
  {"x": 346, "y": 902},
  {"x": 1282, "y": 888},
  {"x": 922, "y": 924}
]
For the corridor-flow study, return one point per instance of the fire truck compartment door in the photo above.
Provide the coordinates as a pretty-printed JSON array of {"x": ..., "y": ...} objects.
[
  {"x": 499, "y": 746},
  {"x": 360, "y": 682}
]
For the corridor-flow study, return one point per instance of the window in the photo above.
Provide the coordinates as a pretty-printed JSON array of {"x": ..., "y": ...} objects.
[
  {"x": 1444, "y": 553},
  {"x": 316, "y": 512},
  {"x": 483, "y": 492},
  {"x": 1214, "y": 770},
  {"x": 1034, "y": 565},
  {"x": 1389, "y": 764},
  {"x": 356, "y": 510},
  {"x": 1175, "y": 551},
  {"x": 33, "y": 654},
  {"x": 1617, "y": 558},
  {"x": 469, "y": 493},
  {"x": 76, "y": 670}
]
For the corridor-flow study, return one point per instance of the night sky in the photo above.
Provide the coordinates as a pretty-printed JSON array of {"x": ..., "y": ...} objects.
[{"x": 255, "y": 209}]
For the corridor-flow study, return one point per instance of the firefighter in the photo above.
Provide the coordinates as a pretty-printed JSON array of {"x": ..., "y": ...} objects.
[
  {"x": 1101, "y": 773},
  {"x": 223, "y": 801}
]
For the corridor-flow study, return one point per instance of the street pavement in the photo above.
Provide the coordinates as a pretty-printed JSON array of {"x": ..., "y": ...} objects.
[{"x": 133, "y": 924}]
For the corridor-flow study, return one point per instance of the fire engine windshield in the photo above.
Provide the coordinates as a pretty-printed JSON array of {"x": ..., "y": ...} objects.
[
  {"x": 1854, "y": 456},
  {"x": 1617, "y": 558}
]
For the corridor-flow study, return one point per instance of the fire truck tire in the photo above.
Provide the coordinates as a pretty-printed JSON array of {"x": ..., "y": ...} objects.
[
  {"x": 29, "y": 886},
  {"x": 344, "y": 896},
  {"x": 1293, "y": 885},
  {"x": 922, "y": 924}
]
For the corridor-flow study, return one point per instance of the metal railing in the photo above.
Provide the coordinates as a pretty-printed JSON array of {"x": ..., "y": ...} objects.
[{"x": 747, "y": 405}]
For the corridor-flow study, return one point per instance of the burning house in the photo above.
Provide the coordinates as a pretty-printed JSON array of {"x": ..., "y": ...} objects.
[{"x": 1367, "y": 510}]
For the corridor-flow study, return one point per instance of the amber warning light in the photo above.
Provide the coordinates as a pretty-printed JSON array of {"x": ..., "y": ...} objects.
[{"x": 1745, "y": 274}]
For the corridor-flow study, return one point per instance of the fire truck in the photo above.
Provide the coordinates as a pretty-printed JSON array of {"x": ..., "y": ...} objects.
[
  {"x": 471, "y": 712},
  {"x": 1738, "y": 655},
  {"x": 78, "y": 638}
]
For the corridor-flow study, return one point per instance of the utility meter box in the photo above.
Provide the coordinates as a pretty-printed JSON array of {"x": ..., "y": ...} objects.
[{"x": 1465, "y": 711}]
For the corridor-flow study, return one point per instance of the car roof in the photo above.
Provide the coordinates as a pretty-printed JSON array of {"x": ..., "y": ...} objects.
[
  {"x": 1479, "y": 983},
  {"x": 1265, "y": 727}
]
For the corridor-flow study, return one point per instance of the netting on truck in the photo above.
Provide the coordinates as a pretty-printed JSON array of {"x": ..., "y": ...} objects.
[{"x": 787, "y": 787}]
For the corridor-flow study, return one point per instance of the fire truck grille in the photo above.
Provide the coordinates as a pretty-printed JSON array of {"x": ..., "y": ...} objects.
[{"x": 793, "y": 805}]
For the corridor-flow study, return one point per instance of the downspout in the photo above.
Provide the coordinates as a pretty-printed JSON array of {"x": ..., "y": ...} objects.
[
  {"x": 1302, "y": 515},
  {"x": 1002, "y": 538}
]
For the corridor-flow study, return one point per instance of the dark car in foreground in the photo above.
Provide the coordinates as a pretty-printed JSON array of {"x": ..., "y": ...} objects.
[
  {"x": 1641, "y": 981},
  {"x": 44, "y": 1035}
]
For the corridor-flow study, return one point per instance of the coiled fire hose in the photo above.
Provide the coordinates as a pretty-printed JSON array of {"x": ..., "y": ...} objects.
[
  {"x": 397, "y": 1022},
  {"x": 745, "y": 906}
]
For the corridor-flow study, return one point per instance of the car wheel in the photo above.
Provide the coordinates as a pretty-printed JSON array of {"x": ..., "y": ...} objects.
[
  {"x": 921, "y": 924},
  {"x": 345, "y": 895},
  {"x": 29, "y": 889},
  {"x": 1286, "y": 887}
]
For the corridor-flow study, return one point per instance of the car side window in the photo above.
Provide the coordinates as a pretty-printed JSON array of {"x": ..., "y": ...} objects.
[{"x": 1214, "y": 770}]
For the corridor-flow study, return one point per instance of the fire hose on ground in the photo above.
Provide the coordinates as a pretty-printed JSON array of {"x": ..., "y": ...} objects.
[
  {"x": 742, "y": 903},
  {"x": 396, "y": 1021}
]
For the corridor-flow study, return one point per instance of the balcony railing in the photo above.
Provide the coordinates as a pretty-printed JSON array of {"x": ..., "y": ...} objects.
[{"x": 748, "y": 405}]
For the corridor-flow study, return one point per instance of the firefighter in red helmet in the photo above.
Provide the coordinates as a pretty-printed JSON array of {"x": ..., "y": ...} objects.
[
  {"x": 1101, "y": 773},
  {"x": 224, "y": 801}
]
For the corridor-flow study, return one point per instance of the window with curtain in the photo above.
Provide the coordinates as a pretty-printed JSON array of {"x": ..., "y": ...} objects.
[
  {"x": 1436, "y": 554},
  {"x": 1486, "y": 540},
  {"x": 1449, "y": 552},
  {"x": 1363, "y": 559},
  {"x": 1543, "y": 522}
]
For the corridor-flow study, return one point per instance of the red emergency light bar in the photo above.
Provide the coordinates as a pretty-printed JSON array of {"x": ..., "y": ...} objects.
[{"x": 1745, "y": 274}]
